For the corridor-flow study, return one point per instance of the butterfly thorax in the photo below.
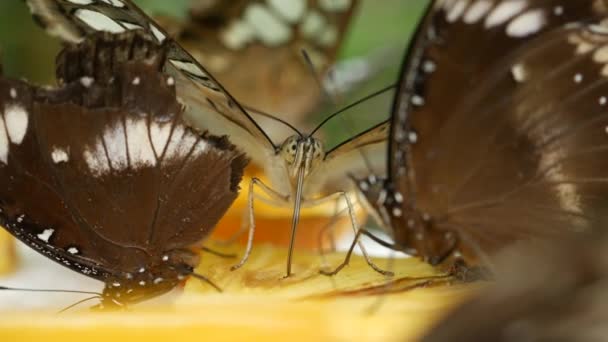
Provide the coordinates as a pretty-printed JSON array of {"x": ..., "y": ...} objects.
[
  {"x": 301, "y": 154},
  {"x": 412, "y": 230}
]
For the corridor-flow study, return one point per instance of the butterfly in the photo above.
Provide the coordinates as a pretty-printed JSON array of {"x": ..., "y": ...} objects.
[
  {"x": 102, "y": 175},
  {"x": 552, "y": 292},
  {"x": 300, "y": 170},
  {"x": 254, "y": 48},
  {"x": 498, "y": 131}
]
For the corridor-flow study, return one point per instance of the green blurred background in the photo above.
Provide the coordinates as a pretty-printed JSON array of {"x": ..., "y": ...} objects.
[{"x": 27, "y": 52}]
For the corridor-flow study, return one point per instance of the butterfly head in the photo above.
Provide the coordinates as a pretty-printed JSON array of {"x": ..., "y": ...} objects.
[
  {"x": 301, "y": 153},
  {"x": 159, "y": 275}
]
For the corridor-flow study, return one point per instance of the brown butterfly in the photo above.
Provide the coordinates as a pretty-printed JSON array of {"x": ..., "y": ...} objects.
[
  {"x": 498, "y": 130},
  {"x": 102, "y": 175}
]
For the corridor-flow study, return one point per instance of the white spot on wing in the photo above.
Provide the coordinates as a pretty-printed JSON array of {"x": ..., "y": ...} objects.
[
  {"x": 188, "y": 67},
  {"x": 519, "y": 73},
  {"x": 87, "y": 81},
  {"x": 157, "y": 34},
  {"x": 131, "y": 26},
  {"x": 16, "y": 122},
  {"x": 526, "y": 24},
  {"x": 115, "y": 3},
  {"x": 313, "y": 24},
  {"x": 98, "y": 21},
  {"x": 160, "y": 136},
  {"x": 59, "y": 155},
  {"x": 504, "y": 12},
  {"x": 46, "y": 235},
  {"x": 140, "y": 148},
  {"x": 456, "y": 11},
  {"x": 3, "y": 142},
  {"x": 238, "y": 34},
  {"x": 115, "y": 141},
  {"x": 269, "y": 29},
  {"x": 477, "y": 11},
  {"x": 291, "y": 10},
  {"x": 200, "y": 148},
  {"x": 180, "y": 143},
  {"x": 334, "y": 5},
  {"x": 73, "y": 250},
  {"x": 329, "y": 37},
  {"x": 97, "y": 160},
  {"x": 81, "y": 2}
]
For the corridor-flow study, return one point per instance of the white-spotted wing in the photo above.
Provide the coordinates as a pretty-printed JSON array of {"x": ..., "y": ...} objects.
[
  {"x": 254, "y": 48},
  {"x": 498, "y": 128}
]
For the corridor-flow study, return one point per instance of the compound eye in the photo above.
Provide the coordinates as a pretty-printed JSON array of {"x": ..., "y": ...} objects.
[
  {"x": 318, "y": 152},
  {"x": 288, "y": 150}
]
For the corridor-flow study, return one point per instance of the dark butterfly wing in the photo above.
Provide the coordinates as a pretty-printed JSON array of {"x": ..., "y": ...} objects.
[
  {"x": 254, "y": 47},
  {"x": 103, "y": 175},
  {"x": 497, "y": 138},
  {"x": 544, "y": 293},
  {"x": 209, "y": 106},
  {"x": 445, "y": 61}
]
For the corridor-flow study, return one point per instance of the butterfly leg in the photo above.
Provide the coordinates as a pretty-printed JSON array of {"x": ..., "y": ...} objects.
[
  {"x": 328, "y": 230},
  {"x": 355, "y": 226},
  {"x": 275, "y": 196},
  {"x": 216, "y": 253},
  {"x": 356, "y": 241}
]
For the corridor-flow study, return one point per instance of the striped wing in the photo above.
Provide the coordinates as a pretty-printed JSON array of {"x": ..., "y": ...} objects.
[{"x": 207, "y": 104}]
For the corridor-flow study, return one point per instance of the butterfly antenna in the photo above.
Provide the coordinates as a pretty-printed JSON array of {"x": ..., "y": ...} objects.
[
  {"x": 331, "y": 99},
  {"x": 217, "y": 253},
  {"x": 272, "y": 117},
  {"x": 328, "y": 96},
  {"x": 6, "y": 288},
  {"x": 368, "y": 164},
  {"x": 78, "y": 303},
  {"x": 354, "y": 104},
  {"x": 206, "y": 280}
]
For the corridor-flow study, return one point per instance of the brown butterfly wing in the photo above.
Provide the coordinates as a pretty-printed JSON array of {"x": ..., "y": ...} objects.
[
  {"x": 103, "y": 175},
  {"x": 463, "y": 155},
  {"x": 510, "y": 158},
  {"x": 254, "y": 48}
]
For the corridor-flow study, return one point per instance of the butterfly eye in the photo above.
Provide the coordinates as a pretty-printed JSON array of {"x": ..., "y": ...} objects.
[
  {"x": 289, "y": 149},
  {"x": 318, "y": 151}
]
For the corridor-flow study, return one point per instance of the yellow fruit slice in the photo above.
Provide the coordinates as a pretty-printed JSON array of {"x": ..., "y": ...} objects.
[
  {"x": 8, "y": 258},
  {"x": 258, "y": 305}
]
